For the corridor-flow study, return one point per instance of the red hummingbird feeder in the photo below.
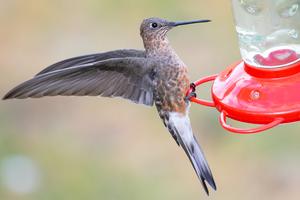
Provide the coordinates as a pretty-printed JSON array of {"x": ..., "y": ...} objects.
[{"x": 263, "y": 88}]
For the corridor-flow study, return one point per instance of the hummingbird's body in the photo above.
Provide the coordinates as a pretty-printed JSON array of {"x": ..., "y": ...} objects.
[
  {"x": 170, "y": 80},
  {"x": 154, "y": 76}
]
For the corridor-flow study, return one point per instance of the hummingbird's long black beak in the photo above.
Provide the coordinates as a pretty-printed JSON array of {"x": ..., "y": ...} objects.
[{"x": 190, "y": 22}]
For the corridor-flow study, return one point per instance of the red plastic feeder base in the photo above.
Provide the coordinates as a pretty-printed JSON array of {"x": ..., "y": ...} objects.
[{"x": 255, "y": 95}]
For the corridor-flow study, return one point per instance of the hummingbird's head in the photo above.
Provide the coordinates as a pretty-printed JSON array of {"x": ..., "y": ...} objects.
[{"x": 156, "y": 28}]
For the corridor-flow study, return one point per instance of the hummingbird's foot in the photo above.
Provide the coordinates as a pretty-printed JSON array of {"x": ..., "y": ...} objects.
[
  {"x": 193, "y": 87},
  {"x": 192, "y": 93}
]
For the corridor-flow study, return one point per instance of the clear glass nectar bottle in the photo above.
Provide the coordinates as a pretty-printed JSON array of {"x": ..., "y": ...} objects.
[{"x": 268, "y": 31}]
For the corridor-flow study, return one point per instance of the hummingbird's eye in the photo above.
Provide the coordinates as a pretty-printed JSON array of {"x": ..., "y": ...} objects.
[{"x": 153, "y": 25}]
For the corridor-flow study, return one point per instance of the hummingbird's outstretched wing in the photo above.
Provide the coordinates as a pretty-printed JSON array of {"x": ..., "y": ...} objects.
[
  {"x": 129, "y": 77},
  {"x": 91, "y": 58},
  {"x": 179, "y": 125}
]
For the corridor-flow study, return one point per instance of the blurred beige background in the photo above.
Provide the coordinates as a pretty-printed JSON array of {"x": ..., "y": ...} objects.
[{"x": 101, "y": 148}]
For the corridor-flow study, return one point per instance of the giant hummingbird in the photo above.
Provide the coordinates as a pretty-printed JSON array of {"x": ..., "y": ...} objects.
[{"x": 154, "y": 76}]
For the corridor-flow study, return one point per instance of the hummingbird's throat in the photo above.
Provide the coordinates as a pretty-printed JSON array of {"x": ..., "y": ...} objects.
[{"x": 158, "y": 46}]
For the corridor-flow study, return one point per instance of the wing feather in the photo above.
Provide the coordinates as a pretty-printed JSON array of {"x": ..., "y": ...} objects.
[
  {"x": 91, "y": 58},
  {"x": 128, "y": 77}
]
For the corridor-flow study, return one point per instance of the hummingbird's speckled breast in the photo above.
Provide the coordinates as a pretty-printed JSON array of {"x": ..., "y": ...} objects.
[
  {"x": 171, "y": 85},
  {"x": 171, "y": 80}
]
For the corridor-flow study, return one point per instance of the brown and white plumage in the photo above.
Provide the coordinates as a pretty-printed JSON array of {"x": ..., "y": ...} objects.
[{"x": 154, "y": 76}]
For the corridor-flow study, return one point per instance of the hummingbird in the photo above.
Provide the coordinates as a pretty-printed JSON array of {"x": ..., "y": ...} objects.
[{"x": 154, "y": 76}]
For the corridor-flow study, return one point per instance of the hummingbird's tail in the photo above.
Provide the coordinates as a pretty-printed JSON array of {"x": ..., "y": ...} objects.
[{"x": 180, "y": 128}]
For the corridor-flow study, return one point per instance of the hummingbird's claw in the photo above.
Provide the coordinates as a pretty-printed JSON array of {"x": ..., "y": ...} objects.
[
  {"x": 190, "y": 95},
  {"x": 192, "y": 92},
  {"x": 193, "y": 87}
]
